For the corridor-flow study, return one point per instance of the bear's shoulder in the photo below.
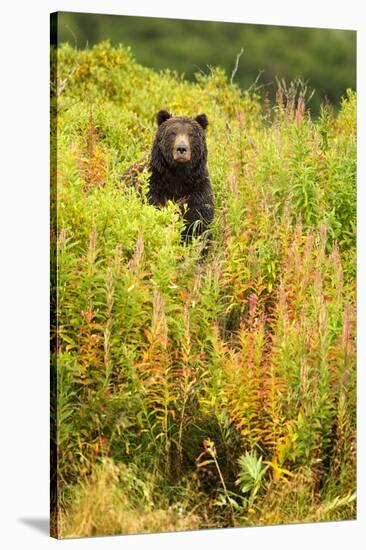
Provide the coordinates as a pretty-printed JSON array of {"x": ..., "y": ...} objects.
[{"x": 131, "y": 176}]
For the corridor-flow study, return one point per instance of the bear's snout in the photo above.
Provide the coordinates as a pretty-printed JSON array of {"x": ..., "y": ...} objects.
[{"x": 181, "y": 149}]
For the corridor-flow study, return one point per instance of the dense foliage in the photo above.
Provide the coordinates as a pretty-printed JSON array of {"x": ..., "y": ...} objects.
[
  {"x": 325, "y": 58},
  {"x": 200, "y": 393}
]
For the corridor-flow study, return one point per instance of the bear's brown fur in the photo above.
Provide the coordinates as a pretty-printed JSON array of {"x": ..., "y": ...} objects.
[{"x": 178, "y": 170}]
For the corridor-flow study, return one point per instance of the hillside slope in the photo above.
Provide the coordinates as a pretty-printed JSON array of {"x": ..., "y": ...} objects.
[{"x": 200, "y": 394}]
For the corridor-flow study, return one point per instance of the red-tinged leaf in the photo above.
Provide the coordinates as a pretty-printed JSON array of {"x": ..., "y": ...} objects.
[{"x": 204, "y": 463}]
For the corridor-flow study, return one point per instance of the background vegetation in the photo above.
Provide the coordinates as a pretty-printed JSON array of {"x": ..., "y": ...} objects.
[
  {"x": 192, "y": 394},
  {"x": 323, "y": 57}
]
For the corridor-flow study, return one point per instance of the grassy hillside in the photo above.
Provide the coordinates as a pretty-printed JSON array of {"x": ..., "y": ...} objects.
[
  {"x": 200, "y": 394},
  {"x": 326, "y": 58}
]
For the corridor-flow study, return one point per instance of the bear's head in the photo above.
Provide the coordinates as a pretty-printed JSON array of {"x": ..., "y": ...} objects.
[{"x": 180, "y": 140}]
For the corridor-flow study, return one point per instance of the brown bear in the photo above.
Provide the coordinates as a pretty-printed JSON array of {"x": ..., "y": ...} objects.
[{"x": 178, "y": 170}]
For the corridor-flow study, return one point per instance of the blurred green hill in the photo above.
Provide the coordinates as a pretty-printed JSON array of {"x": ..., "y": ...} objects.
[{"x": 323, "y": 57}]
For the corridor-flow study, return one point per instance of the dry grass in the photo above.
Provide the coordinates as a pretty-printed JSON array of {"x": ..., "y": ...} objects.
[{"x": 101, "y": 506}]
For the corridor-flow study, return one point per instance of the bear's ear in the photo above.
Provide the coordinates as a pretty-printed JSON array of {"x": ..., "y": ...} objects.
[
  {"x": 162, "y": 116},
  {"x": 202, "y": 120}
]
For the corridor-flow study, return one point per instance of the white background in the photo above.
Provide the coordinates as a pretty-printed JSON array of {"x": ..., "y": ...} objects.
[{"x": 24, "y": 284}]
